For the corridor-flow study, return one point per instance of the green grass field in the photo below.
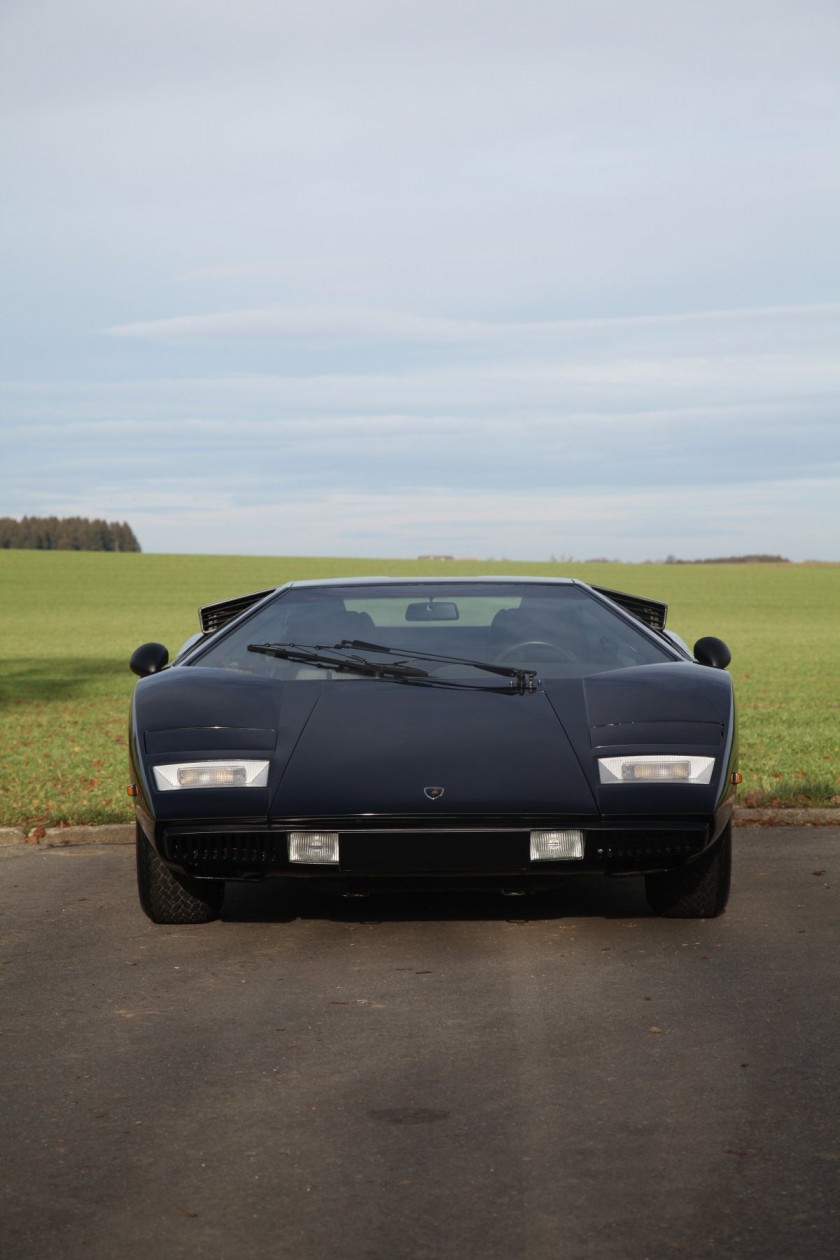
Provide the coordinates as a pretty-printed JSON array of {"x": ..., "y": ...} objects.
[{"x": 70, "y": 621}]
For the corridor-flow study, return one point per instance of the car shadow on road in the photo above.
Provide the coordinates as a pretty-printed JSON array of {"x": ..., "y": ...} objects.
[{"x": 583, "y": 896}]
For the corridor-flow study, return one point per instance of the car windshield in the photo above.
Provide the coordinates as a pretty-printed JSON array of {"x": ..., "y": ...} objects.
[{"x": 560, "y": 631}]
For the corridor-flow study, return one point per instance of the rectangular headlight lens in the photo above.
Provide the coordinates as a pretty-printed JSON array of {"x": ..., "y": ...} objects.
[
  {"x": 555, "y": 846},
  {"x": 656, "y": 768},
  {"x": 319, "y": 847},
  {"x": 211, "y": 774}
]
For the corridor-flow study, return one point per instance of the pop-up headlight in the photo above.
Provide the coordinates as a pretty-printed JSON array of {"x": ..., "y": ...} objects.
[
  {"x": 211, "y": 774},
  {"x": 656, "y": 768}
]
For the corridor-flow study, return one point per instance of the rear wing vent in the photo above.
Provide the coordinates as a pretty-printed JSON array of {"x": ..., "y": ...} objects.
[
  {"x": 214, "y": 616},
  {"x": 650, "y": 611}
]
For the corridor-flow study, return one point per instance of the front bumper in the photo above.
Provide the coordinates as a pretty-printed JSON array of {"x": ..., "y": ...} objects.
[{"x": 378, "y": 851}]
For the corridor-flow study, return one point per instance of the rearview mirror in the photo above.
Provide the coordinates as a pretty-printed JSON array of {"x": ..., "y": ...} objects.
[
  {"x": 148, "y": 659},
  {"x": 713, "y": 652},
  {"x": 434, "y": 610}
]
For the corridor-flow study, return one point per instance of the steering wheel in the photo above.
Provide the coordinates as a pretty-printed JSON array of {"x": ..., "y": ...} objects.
[{"x": 556, "y": 652}]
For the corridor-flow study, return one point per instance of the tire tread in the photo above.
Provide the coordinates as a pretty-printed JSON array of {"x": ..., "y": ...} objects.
[{"x": 168, "y": 897}]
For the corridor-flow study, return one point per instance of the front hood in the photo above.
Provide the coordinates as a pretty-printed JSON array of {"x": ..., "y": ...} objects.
[
  {"x": 362, "y": 746},
  {"x": 372, "y": 748}
]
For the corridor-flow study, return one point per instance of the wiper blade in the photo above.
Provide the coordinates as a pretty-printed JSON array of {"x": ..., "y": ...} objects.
[
  {"x": 304, "y": 655},
  {"x": 524, "y": 678}
]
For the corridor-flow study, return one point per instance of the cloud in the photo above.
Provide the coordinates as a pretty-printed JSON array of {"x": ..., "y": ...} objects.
[
  {"x": 732, "y": 375},
  {"x": 697, "y": 398},
  {"x": 359, "y": 324}
]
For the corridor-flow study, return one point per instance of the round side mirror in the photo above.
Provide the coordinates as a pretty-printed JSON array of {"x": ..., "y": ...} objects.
[
  {"x": 713, "y": 652},
  {"x": 149, "y": 658}
]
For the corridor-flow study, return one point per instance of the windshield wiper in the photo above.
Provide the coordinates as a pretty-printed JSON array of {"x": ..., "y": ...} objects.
[
  {"x": 523, "y": 678},
  {"x": 303, "y": 655}
]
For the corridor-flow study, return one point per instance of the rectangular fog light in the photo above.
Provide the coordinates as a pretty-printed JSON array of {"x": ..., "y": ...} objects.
[
  {"x": 556, "y": 846},
  {"x": 314, "y": 847}
]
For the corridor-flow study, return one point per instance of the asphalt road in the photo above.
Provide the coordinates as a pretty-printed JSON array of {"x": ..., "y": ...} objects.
[{"x": 437, "y": 1077}]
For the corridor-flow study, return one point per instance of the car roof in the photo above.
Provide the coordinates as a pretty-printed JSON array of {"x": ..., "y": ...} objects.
[
  {"x": 213, "y": 616},
  {"x": 425, "y": 579}
]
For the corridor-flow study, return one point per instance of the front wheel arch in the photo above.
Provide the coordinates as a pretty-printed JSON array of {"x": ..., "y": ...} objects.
[
  {"x": 166, "y": 896},
  {"x": 699, "y": 890}
]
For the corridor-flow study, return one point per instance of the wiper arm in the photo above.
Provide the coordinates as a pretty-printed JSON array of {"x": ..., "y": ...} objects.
[
  {"x": 524, "y": 678},
  {"x": 303, "y": 655}
]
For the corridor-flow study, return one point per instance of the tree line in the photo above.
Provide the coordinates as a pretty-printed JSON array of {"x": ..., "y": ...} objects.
[
  {"x": 69, "y": 533},
  {"x": 762, "y": 559}
]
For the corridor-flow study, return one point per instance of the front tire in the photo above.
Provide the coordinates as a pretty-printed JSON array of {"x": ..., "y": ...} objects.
[
  {"x": 168, "y": 897},
  {"x": 697, "y": 891}
]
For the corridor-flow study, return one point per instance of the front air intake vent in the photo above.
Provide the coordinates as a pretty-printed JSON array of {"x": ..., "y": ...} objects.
[
  {"x": 650, "y": 611},
  {"x": 643, "y": 849},
  {"x": 225, "y": 853},
  {"x": 214, "y": 616}
]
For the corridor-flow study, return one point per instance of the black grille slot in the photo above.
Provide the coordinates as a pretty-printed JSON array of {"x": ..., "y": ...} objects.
[
  {"x": 646, "y": 848},
  {"x": 220, "y": 852}
]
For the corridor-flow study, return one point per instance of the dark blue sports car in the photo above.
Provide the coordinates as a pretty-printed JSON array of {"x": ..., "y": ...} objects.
[{"x": 496, "y": 733}]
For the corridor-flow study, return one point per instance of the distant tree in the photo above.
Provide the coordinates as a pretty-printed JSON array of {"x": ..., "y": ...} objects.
[
  {"x": 124, "y": 538},
  {"x": 69, "y": 533},
  {"x": 758, "y": 559}
]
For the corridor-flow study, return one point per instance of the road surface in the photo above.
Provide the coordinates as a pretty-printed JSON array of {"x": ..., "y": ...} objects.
[{"x": 435, "y": 1077}]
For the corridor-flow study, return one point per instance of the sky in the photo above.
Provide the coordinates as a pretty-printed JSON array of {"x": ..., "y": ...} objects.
[{"x": 489, "y": 278}]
